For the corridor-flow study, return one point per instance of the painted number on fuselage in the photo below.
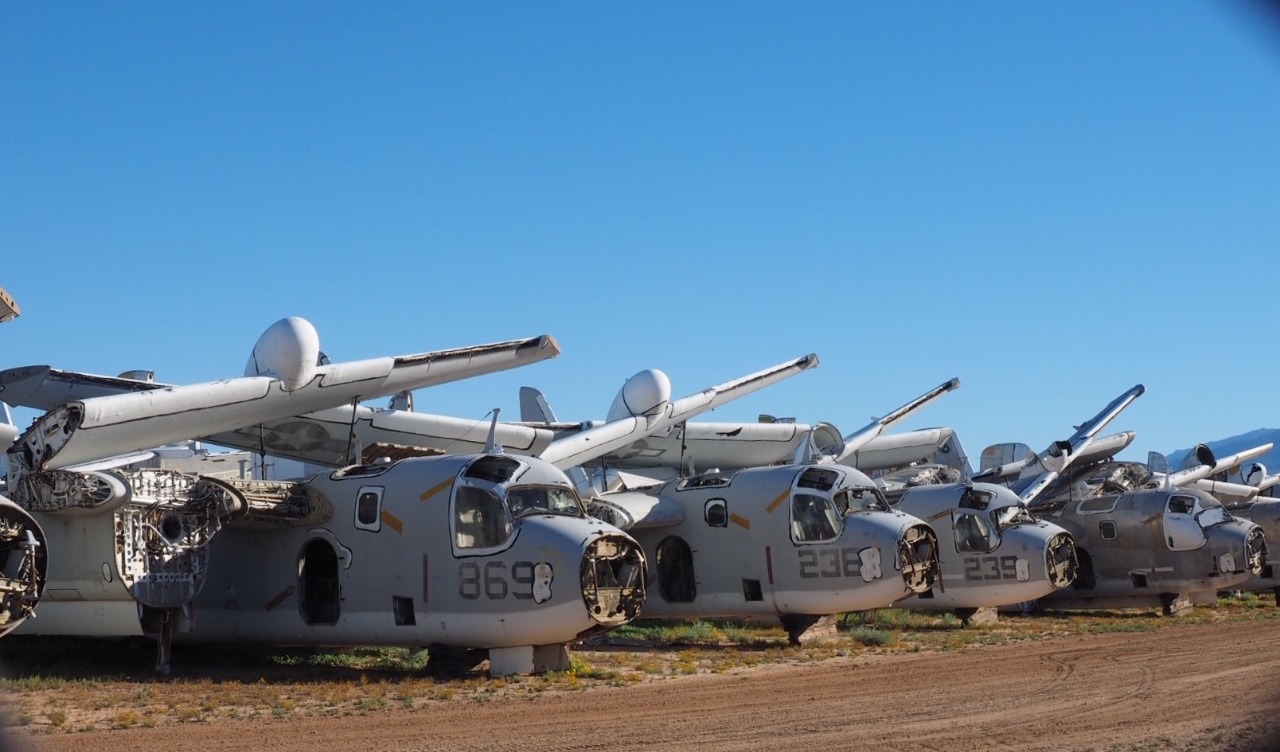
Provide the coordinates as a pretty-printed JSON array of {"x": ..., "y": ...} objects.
[
  {"x": 494, "y": 580},
  {"x": 996, "y": 568},
  {"x": 840, "y": 562}
]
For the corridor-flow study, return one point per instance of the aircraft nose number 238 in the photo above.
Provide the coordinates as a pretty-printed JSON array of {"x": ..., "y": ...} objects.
[
  {"x": 524, "y": 580},
  {"x": 840, "y": 562}
]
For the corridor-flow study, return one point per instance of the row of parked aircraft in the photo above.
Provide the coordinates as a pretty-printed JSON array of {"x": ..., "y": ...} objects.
[{"x": 511, "y": 540}]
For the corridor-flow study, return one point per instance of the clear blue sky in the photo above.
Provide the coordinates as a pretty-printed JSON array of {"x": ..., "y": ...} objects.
[{"x": 1051, "y": 201}]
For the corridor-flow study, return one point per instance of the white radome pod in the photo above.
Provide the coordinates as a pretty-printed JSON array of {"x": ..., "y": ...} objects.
[
  {"x": 287, "y": 350},
  {"x": 642, "y": 394}
]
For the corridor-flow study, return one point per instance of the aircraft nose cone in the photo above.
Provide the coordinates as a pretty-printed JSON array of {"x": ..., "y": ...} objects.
[
  {"x": 918, "y": 557},
  {"x": 613, "y": 579}
]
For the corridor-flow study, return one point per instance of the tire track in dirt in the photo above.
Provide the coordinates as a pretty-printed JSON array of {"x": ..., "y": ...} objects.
[{"x": 1181, "y": 686}]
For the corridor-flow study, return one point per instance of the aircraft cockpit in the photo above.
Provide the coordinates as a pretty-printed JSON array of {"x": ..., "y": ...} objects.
[
  {"x": 526, "y": 500},
  {"x": 495, "y": 493},
  {"x": 1012, "y": 516},
  {"x": 1212, "y": 513},
  {"x": 868, "y": 499}
]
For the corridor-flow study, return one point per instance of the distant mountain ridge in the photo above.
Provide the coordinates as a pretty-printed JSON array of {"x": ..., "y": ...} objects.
[{"x": 1239, "y": 443}]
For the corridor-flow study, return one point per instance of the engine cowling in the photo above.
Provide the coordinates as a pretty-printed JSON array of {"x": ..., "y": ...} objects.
[
  {"x": 289, "y": 350},
  {"x": 643, "y": 394}
]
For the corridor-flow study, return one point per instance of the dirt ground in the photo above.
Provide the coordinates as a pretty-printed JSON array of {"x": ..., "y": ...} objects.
[{"x": 1193, "y": 686}]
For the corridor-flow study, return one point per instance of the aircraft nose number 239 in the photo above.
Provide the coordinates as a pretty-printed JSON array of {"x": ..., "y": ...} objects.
[{"x": 996, "y": 568}]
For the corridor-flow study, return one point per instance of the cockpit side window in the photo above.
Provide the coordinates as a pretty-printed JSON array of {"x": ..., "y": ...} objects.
[
  {"x": 814, "y": 518},
  {"x": 1181, "y": 504},
  {"x": 973, "y": 533},
  {"x": 1213, "y": 515},
  {"x": 480, "y": 519},
  {"x": 849, "y": 500},
  {"x": 1011, "y": 515}
]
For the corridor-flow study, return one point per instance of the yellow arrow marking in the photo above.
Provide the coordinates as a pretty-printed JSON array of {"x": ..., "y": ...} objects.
[
  {"x": 427, "y": 494},
  {"x": 393, "y": 522},
  {"x": 781, "y": 498}
]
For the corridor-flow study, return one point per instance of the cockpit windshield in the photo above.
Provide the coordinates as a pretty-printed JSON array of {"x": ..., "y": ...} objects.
[
  {"x": 1014, "y": 514},
  {"x": 1213, "y": 515},
  {"x": 527, "y": 500},
  {"x": 866, "y": 499}
]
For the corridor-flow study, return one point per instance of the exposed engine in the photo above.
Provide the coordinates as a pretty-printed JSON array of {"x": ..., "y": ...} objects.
[
  {"x": 918, "y": 558},
  {"x": 1060, "y": 560},
  {"x": 613, "y": 580},
  {"x": 23, "y": 555}
]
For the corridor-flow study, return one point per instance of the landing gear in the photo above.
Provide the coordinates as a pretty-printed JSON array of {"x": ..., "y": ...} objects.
[
  {"x": 1174, "y": 604},
  {"x": 447, "y": 660},
  {"x": 161, "y": 623},
  {"x": 796, "y": 624}
]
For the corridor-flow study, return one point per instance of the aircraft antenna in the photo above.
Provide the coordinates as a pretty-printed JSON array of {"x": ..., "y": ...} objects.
[
  {"x": 492, "y": 446},
  {"x": 351, "y": 457},
  {"x": 262, "y": 453},
  {"x": 684, "y": 445}
]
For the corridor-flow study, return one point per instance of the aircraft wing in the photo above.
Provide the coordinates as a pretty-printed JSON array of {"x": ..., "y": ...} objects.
[
  {"x": 97, "y": 427},
  {"x": 1098, "y": 450},
  {"x": 332, "y": 437},
  {"x": 1207, "y": 465},
  {"x": 45, "y": 388},
  {"x": 899, "y": 449},
  {"x": 598, "y": 441},
  {"x": 1057, "y": 457},
  {"x": 856, "y": 440}
]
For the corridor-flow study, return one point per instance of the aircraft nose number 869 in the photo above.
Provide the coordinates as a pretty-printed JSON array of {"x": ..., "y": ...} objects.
[{"x": 524, "y": 580}]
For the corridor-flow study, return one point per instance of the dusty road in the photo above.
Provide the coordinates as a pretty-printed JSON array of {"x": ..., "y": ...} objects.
[{"x": 1206, "y": 686}]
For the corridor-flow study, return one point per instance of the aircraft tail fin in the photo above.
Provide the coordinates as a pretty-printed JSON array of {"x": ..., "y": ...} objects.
[
  {"x": 534, "y": 407},
  {"x": 1002, "y": 461}
]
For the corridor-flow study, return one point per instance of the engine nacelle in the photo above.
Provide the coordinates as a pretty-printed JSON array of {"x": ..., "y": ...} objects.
[
  {"x": 827, "y": 439},
  {"x": 289, "y": 350},
  {"x": 642, "y": 394},
  {"x": 23, "y": 561}
]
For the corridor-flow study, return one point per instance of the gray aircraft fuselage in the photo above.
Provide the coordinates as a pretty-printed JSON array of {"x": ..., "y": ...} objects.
[
  {"x": 778, "y": 541},
  {"x": 1149, "y": 547},
  {"x": 993, "y": 552},
  {"x": 461, "y": 550}
]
